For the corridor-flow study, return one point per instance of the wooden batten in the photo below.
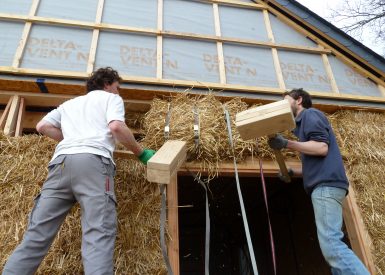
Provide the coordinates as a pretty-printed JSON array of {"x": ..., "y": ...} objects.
[
  {"x": 166, "y": 161},
  {"x": 20, "y": 119},
  {"x": 4, "y": 115},
  {"x": 265, "y": 120},
  {"x": 10, "y": 124}
]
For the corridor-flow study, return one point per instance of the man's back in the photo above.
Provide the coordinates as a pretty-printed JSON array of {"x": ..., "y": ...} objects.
[{"x": 84, "y": 123}]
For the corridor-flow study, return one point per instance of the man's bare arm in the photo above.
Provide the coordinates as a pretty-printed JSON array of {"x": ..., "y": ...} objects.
[
  {"x": 123, "y": 134},
  {"x": 49, "y": 130}
]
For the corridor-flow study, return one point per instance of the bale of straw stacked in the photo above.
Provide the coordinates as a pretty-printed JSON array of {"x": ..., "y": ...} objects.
[
  {"x": 213, "y": 145},
  {"x": 23, "y": 170},
  {"x": 361, "y": 136},
  {"x": 24, "y": 161}
]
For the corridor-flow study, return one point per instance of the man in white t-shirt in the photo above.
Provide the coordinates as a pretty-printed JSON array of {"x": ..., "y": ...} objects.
[{"x": 81, "y": 170}]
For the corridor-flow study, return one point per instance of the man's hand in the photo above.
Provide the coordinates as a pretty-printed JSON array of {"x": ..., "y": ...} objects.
[
  {"x": 145, "y": 156},
  {"x": 278, "y": 142}
]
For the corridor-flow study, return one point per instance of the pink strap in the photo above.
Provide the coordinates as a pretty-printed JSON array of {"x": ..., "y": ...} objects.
[{"x": 268, "y": 217}]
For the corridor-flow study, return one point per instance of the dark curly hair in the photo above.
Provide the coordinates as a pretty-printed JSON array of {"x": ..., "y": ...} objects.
[
  {"x": 101, "y": 77},
  {"x": 297, "y": 93}
]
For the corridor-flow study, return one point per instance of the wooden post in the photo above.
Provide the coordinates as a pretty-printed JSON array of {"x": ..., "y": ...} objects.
[
  {"x": 4, "y": 116},
  {"x": 358, "y": 235},
  {"x": 20, "y": 119},
  {"x": 159, "y": 42},
  {"x": 10, "y": 124},
  {"x": 330, "y": 74},
  {"x": 221, "y": 57},
  {"x": 24, "y": 37},
  {"x": 277, "y": 64},
  {"x": 173, "y": 224}
]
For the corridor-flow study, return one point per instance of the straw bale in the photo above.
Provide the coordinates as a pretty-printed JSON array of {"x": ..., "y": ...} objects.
[
  {"x": 213, "y": 145},
  {"x": 361, "y": 136},
  {"x": 24, "y": 161},
  {"x": 24, "y": 168}
]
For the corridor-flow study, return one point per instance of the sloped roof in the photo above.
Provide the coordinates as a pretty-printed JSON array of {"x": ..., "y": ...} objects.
[{"x": 334, "y": 32}]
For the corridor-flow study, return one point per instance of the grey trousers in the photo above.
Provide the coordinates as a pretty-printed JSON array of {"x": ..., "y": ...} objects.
[{"x": 85, "y": 178}]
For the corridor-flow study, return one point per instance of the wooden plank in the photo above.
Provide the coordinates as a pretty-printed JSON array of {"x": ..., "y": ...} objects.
[
  {"x": 95, "y": 38},
  {"x": 159, "y": 42},
  {"x": 357, "y": 233},
  {"x": 238, "y": 4},
  {"x": 54, "y": 100},
  {"x": 20, "y": 119},
  {"x": 166, "y": 161},
  {"x": 173, "y": 224},
  {"x": 247, "y": 168},
  {"x": 330, "y": 74},
  {"x": 220, "y": 54},
  {"x": 10, "y": 124},
  {"x": 214, "y": 38},
  {"x": 382, "y": 89},
  {"x": 198, "y": 84},
  {"x": 4, "y": 115},
  {"x": 265, "y": 120},
  {"x": 263, "y": 109},
  {"x": 277, "y": 64},
  {"x": 24, "y": 37}
]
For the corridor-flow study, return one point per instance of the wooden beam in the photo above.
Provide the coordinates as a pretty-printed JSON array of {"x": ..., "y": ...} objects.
[
  {"x": 277, "y": 64},
  {"x": 159, "y": 42},
  {"x": 214, "y": 38},
  {"x": 95, "y": 38},
  {"x": 220, "y": 54},
  {"x": 173, "y": 224},
  {"x": 4, "y": 115},
  {"x": 238, "y": 4},
  {"x": 20, "y": 119},
  {"x": 166, "y": 161},
  {"x": 330, "y": 74},
  {"x": 358, "y": 235},
  {"x": 382, "y": 89},
  {"x": 265, "y": 120},
  {"x": 54, "y": 100},
  {"x": 10, "y": 124},
  {"x": 24, "y": 37}
]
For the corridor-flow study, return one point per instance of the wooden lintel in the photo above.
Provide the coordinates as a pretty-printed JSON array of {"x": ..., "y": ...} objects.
[{"x": 54, "y": 100}]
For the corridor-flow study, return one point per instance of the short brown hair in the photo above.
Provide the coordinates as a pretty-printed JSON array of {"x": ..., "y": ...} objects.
[
  {"x": 297, "y": 93},
  {"x": 101, "y": 77}
]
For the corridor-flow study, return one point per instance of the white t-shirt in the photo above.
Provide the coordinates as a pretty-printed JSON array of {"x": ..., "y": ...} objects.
[{"x": 84, "y": 123}]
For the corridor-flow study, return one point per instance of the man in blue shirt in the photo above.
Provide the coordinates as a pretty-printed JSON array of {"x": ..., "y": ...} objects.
[{"x": 324, "y": 179}]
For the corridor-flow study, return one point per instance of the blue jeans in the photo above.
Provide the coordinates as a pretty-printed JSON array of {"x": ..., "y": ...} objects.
[{"x": 327, "y": 204}]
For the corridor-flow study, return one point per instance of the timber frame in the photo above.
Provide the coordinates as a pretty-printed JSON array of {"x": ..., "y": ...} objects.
[{"x": 267, "y": 7}]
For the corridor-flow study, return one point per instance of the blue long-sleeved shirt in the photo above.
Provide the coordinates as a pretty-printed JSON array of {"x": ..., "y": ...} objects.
[{"x": 327, "y": 170}]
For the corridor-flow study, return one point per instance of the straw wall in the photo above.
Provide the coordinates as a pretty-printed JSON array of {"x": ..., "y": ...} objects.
[{"x": 24, "y": 160}]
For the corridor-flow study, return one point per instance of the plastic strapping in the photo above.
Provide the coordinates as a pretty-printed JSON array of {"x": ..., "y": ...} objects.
[
  {"x": 268, "y": 217},
  {"x": 196, "y": 126},
  {"x": 167, "y": 124},
  {"x": 243, "y": 211},
  {"x": 207, "y": 235}
]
